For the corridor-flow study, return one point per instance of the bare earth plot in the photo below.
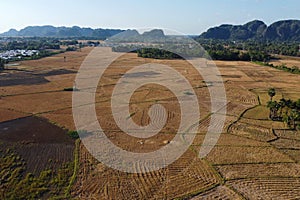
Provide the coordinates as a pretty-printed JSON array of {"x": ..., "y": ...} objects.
[{"x": 254, "y": 158}]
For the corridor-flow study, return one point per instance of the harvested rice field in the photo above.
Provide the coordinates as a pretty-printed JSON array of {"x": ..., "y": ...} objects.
[{"x": 254, "y": 157}]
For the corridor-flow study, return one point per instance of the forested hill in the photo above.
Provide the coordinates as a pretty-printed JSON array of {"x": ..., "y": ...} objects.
[
  {"x": 61, "y": 32},
  {"x": 285, "y": 30}
]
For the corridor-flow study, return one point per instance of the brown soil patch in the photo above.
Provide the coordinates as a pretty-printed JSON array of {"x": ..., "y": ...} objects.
[
  {"x": 41, "y": 144},
  {"x": 7, "y": 114}
]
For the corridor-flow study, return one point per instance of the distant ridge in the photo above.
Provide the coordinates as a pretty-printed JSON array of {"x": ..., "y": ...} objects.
[
  {"x": 154, "y": 35},
  {"x": 61, "y": 32},
  {"x": 284, "y": 30}
]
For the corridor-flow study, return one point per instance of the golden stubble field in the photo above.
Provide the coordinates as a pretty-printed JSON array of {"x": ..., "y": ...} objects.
[{"x": 254, "y": 158}]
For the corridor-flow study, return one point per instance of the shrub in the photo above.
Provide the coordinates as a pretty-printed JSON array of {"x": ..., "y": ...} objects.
[{"x": 73, "y": 134}]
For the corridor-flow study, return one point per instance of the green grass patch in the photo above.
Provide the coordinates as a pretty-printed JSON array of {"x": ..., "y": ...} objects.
[
  {"x": 258, "y": 112},
  {"x": 282, "y": 67},
  {"x": 16, "y": 183}
]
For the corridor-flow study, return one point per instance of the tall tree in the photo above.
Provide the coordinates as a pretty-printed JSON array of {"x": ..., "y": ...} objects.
[{"x": 271, "y": 93}]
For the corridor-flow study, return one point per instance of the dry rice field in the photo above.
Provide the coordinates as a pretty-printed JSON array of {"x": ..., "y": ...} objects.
[{"x": 254, "y": 157}]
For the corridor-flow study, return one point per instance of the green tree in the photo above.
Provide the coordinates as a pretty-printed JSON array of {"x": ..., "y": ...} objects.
[
  {"x": 271, "y": 93},
  {"x": 282, "y": 104},
  {"x": 286, "y": 119},
  {"x": 273, "y": 106},
  {"x": 297, "y": 104},
  {"x": 294, "y": 116},
  {"x": 2, "y": 63},
  {"x": 289, "y": 104},
  {"x": 291, "y": 116}
]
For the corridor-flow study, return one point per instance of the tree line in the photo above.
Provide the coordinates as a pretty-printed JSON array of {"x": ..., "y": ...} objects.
[
  {"x": 2, "y": 64},
  {"x": 36, "y": 43},
  {"x": 223, "y": 50},
  {"x": 271, "y": 47},
  {"x": 28, "y": 44},
  {"x": 267, "y": 47},
  {"x": 236, "y": 55},
  {"x": 157, "y": 53}
]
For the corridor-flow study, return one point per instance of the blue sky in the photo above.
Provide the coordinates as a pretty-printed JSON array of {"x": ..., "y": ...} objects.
[{"x": 186, "y": 16}]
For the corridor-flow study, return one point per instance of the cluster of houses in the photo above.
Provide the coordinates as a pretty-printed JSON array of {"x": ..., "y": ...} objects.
[{"x": 17, "y": 54}]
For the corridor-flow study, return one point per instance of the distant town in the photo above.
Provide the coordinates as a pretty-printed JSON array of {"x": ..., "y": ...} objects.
[{"x": 18, "y": 54}]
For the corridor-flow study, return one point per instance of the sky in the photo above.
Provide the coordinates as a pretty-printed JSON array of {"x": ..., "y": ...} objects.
[{"x": 186, "y": 16}]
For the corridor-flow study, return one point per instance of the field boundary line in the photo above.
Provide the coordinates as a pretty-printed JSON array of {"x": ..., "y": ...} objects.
[
  {"x": 239, "y": 117},
  {"x": 41, "y": 92},
  {"x": 236, "y": 191}
]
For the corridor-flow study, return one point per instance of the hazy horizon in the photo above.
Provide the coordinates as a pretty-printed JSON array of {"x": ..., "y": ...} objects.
[{"x": 191, "y": 18}]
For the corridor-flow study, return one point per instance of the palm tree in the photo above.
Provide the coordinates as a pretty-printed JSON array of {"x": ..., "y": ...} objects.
[{"x": 271, "y": 93}]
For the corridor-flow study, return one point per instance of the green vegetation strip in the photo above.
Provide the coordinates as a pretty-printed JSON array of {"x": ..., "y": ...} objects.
[
  {"x": 283, "y": 67},
  {"x": 76, "y": 167}
]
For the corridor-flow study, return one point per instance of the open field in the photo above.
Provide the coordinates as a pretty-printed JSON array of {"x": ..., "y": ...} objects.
[
  {"x": 230, "y": 172},
  {"x": 187, "y": 175},
  {"x": 254, "y": 158},
  {"x": 259, "y": 133}
]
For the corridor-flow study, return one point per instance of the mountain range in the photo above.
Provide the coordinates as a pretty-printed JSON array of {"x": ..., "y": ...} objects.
[
  {"x": 285, "y": 30},
  {"x": 61, "y": 32}
]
